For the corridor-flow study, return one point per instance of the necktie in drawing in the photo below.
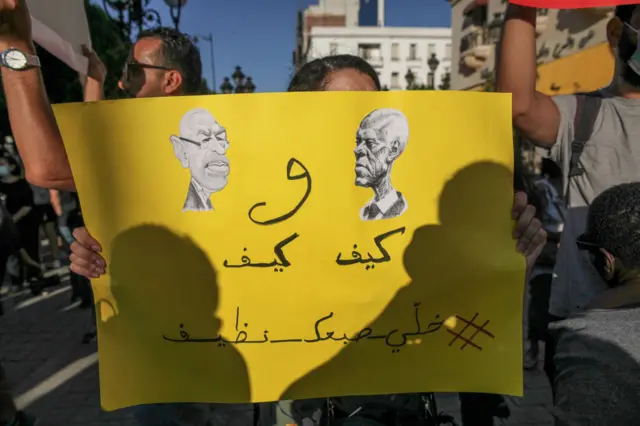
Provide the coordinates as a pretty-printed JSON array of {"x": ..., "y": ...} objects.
[{"x": 374, "y": 211}]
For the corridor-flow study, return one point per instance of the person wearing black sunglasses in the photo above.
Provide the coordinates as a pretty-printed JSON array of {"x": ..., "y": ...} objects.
[
  {"x": 163, "y": 62},
  {"x": 597, "y": 360}
]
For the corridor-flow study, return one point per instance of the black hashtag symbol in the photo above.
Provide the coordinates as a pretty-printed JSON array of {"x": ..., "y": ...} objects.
[{"x": 472, "y": 326}]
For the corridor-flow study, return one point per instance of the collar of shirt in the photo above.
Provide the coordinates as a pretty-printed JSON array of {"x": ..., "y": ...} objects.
[
  {"x": 202, "y": 194},
  {"x": 386, "y": 202}
]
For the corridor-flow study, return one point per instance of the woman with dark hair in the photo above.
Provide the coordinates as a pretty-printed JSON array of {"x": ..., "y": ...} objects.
[{"x": 335, "y": 73}]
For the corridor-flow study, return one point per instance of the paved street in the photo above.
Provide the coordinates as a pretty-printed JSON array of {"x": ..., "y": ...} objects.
[{"x": 55, "y": 375}]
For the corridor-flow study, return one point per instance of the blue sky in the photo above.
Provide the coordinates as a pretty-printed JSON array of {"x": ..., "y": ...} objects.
[{"x": 259, "y": 35}]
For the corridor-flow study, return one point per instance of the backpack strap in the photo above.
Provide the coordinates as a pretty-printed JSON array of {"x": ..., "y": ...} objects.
[{"x": 587, "y": 109}]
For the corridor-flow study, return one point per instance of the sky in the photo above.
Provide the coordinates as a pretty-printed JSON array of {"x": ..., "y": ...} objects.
[{"x": 259, "y": 35}]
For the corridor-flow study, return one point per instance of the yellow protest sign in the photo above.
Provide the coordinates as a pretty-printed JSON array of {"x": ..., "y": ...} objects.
[{"x": 283, "y": 246}]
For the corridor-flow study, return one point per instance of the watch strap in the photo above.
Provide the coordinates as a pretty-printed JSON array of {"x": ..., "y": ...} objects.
[{"x": 32, "y": 60}]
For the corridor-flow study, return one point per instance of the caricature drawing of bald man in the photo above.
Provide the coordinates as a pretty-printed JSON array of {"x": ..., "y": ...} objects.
[
  {"x": 202, "y": 148},
  {"x": 381, "y": 138}
]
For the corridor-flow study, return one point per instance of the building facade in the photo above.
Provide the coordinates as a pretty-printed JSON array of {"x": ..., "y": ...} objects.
[
  {"x": 415, "y": 57},
  {"x": 573, "y": 54}
]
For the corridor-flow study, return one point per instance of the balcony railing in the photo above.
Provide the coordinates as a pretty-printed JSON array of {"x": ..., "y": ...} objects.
[{"x": 374, "y": 59}]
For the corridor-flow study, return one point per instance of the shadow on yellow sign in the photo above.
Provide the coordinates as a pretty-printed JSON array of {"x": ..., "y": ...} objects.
[{"x": 284, "y": 246}]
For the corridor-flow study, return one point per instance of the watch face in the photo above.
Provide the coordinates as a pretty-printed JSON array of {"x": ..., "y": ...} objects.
[{"x": 15, "y": 59}]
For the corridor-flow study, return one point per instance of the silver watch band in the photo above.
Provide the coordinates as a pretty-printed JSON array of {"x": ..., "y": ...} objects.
[{"x": 32, "y": 60}]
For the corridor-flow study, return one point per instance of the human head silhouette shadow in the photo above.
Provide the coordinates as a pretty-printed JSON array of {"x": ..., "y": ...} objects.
[
  {"x": 159, "y": 281},
  {"x": 443, "y": 261}
]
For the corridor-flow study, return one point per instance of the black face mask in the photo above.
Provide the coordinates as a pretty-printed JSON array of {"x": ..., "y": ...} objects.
[{"x": 626, "y": 49}]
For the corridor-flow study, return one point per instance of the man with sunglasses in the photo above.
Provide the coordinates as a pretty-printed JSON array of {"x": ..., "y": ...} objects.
[
  {"x": 594, "y": 138},
  {"x": 163, "y": 62},
  {"x": 598, "y": 349}
]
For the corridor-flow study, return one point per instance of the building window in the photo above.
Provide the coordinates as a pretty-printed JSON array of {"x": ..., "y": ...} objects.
[
  {"x": 431, "y": 49},
  {"x": 369, "y": 51},
  {"x": 447, "y": 54},
  {"x": 395, "y": 80},
  {"x": 413, "y": 52},
  {"x": 333, "y": 48},
  {"x": 395, "y": 52}
]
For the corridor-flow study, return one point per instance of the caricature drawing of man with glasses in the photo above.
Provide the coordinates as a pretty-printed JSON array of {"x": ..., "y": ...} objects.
[{"x": 202, "y": 147}]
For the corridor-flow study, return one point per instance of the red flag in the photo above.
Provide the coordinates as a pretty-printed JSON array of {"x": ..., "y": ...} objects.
[{"x": 571, "y": 4}]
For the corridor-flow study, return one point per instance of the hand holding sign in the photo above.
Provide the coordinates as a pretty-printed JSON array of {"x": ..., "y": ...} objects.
[
  {"x": 15, "y": 23},
  {"x": 571, "y": 4}
]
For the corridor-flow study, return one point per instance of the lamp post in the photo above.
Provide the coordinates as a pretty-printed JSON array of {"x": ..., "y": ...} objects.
[
  {"x": 136, "y": 14},
  {"x": 175, "y": 6},
  {"x": 241, "y": 83},
  {"x": 209, "y": 39},
  {"x": 410, "y": 78},
  {"x": 226, "y": 87},
  {"x": 433, "y": 64}
]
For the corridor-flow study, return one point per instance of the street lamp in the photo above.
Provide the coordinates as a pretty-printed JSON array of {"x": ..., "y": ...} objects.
[
  {"x": 241, "y": 83},
  {"x": 238, "y": 78},
  {"x": 433, "y": 64},
  {"x": 175, "y": 6},
  {"x": 249, "y": 87},
  {"x": 226, "y": 87},
  {"x": 495, "y": 28},
  {"x": 209, "y": 39},
  {"x": 410, "y": 78},
  {"x": 137, "y": 13}
]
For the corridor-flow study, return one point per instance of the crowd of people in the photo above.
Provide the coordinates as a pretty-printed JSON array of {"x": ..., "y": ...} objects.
[{"x": 577, "y": 220}]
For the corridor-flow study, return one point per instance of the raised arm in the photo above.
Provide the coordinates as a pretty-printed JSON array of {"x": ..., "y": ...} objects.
[
  {"x": 33, "y": 124},
  {"x": 96, "y": 76},
  {"x": 535, "y": 114}
]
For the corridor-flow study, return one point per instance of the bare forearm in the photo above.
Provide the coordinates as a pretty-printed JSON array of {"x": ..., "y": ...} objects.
[
  {"x": 93, "y": 90},
  {"x": 516, "y": 65},
  {"x": 35, "y": 129},
  {"x": 534, "y": 113}
]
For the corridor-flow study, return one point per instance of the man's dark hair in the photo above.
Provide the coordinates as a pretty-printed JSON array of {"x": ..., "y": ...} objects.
[
  {"x": 180, "y": 53},
  {"x": 613, "y": 223},
  {"x": 625, "y": 12},
  {"x": 312, "y": 77}
]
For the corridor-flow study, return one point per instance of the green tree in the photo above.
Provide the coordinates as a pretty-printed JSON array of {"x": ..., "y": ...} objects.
[
  {"x": 445, "y": 84},
  {"x": 110, "y": 43},
  {"x": 204, "y": 88}
]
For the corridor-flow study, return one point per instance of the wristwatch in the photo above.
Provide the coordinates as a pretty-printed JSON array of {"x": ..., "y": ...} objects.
[{"x": 17, "y": 60}]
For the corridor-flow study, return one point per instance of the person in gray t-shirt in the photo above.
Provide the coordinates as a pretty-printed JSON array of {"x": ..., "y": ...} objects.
[
  {"x": 597, "y": 358},
  {"x": 610, "y": 155}
]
